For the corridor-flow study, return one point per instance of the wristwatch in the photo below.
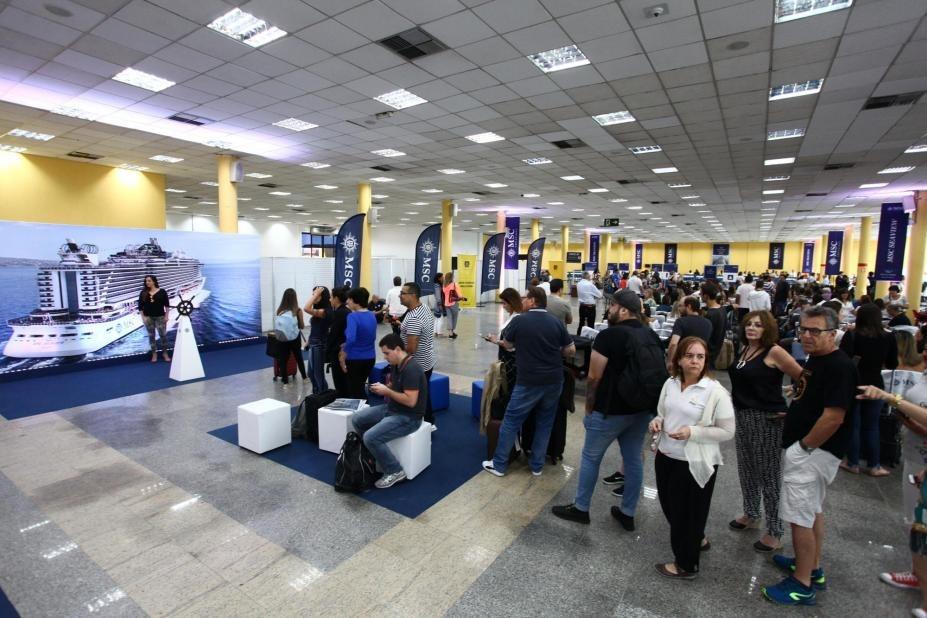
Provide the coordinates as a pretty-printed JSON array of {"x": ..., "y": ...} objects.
[{"x": 804, "y": 447}]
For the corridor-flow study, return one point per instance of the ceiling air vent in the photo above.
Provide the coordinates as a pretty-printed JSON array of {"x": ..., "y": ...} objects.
[
  {"x": 321, "y": 229},
  {"x": 413, "y": 44},
  {"x": 191, "y": 197},
  {"x": 269, "y": 185},
  {"x": 658, "y": 202},
  {"x": 631, "y": 181},
  {"x": 383, "y": 168},
  {"x": 569, "y": 143},
  {"x": 84, "y": 155},
  {"x": 815, "y": 194},
  {"x": 484, "y": 193},
  {"x": 838, "y": 166},
  {"x": 892, "y": 100},
  {"x": 804, "y": 210},
  {"x": 190, "y": 119}
]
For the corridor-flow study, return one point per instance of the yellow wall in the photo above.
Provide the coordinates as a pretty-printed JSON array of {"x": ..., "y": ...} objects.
[{"x": 48, "y": 190}]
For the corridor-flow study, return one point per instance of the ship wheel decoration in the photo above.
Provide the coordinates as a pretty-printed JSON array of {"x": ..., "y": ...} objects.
[{"x": 185, "y": 307}]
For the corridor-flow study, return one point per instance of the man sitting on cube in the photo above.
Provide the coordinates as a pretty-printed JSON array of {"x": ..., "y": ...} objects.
[{"x": 406, "y": 394}]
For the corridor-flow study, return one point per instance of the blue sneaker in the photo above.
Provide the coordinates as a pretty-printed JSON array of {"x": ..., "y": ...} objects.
[
  {"x": 790, "y": 591},
  {"x": 818, "y": 581}
]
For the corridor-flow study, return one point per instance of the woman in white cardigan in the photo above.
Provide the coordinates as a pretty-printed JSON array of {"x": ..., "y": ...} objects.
[{"x": 694, "y": 415}]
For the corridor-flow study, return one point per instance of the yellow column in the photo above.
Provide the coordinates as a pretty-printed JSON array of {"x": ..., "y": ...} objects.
[
  {"x": 822, "y": 264},
  {"x": 565, "y": 242},
  {"x": 606, "y": 250},
  {"x": 447, "y": 235},
  {"x": 914, "y": 278},
  {"x": 862, "y": 265},
  {"x": 363, "y": 207},
  {"x": 847, "y": 258},
  {"x": 228, "y": 194},
  {"x": 535, "y": 229},
  {"x": 587, "y": 249},
  {"x": 500, "y": 221}
]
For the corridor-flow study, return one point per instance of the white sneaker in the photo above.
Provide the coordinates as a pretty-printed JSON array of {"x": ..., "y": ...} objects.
[
  {"x": 487, "y": 465},
  {"x": 390, "y": 479},
  {"x": 917, "y": 612},
  {"x": 537, "y": 473}
]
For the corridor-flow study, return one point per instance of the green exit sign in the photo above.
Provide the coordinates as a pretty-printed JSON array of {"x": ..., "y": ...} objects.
[{"x": 610, "y": 223}]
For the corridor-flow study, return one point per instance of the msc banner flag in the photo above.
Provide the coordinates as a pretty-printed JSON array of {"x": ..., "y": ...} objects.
[
  {"x": 535, "y": 255},
  {"x": 492, "y": 262},
  {"x": 893, "y": 228},
  {"x": 832, "y": 254},
  {"x": 807, "y": 257},
  {"x": 426, "y": 258},
  {"x": 511, "y": 243},
  {"x": 720, "y": 254},
  {"x": 711, "y": 271},
  {"x": 594, "y": 249},
  {"x": 348, "y": 252},
  {"x": 776, "y": 255},
  {"x": 638, "y": 256},
  {"x": 669, "y": 253}
]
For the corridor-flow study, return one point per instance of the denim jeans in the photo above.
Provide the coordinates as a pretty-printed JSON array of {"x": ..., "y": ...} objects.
[
  {"x": 377, "y": 427},
  {"x": 526, "y": 397},
  {"x": 864, "y": 436},
  {"x": 317, "y": 366},
  {"x": 601, "y": 431}
]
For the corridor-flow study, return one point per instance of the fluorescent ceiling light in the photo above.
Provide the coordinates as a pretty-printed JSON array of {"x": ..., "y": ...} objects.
[
  {"x": 618, "y": 200},
  {"x": 432, "y": 191},
  {"x": 495, "y": 185},
  {"x": 400, "y": 99},
  {"x": 559, "y": 59},
  {"x": 471, "y": 199},
  {"x": 485, "y": 138},
  {"x": 531, "y": 195},
  {"x": 273, "y": 216},
  {"x": 335, "y": 210},
  {"x": 210, "y": 183},
  {"x": 614, "y": 118},
  {"x": 573, "y": 177},
  {"x": 782, "y": 161},
  {"x": 217, "y": 143},
  {"x": 326, "y": 187},
  {"x": 295, "y": 124},
  {"x": 279, "y": 193},
  {"x": 259, "y": 175},
  {"x": 334, "y": 201},
  {"x": 916, "y": 148},
  {"x": 555, "y": 203},
  {"x": 873, "y": 185},
  {"x": 664, "y": 170},
  {"x": 175, "y": 190},
  {"x": 418, "y": 204},
  {"x": 787, "y": 10},
  {"x": 180, "y": 207},
  {"x": 208, "y": 203},
  {"x": 775, "y": 178},
  {"x": 784, "y": 134},
  {"x": 130, "y": 166},
  {"x": 678, "y": 185},
  {"x": 144, "y": 80},
  {"x": 413, "y": 212},
  {"x": 388, "y": 152},
  {"x": 246, "y": 28},
  {"x": 379, "y": 196},
  {"x": 690, "y": 197},
  {"x": 578, "y": 209},
  {"x": 696, "y": 204},
  {"x": 644, "y": 149},
  {"x": 315, "y": 165},
  {"x": 598, "y": 190},
  {"x": 798, "y": 89},
  {"x": 450, "y": 171},
  {"x": 244, "y": 199},
  {"x": 42, "y": 137},
  {"x": 260, "y": 208},
  {"x": 294, "y": 205},
  {"x": 166, "y": 159},
  {"x": 382, "y": 179},
  {"x": 74, "y": 112},
  {"x": 845, "y": 206},
  {"x": 770, "y": 202},
  {"x": 897, "y": 170},
  {"x": 537, "y": 161}
]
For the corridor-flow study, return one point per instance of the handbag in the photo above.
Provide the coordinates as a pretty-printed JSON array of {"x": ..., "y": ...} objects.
[
  {"x": 725, "y": 356},
  {"x": 452, "y": 295}
]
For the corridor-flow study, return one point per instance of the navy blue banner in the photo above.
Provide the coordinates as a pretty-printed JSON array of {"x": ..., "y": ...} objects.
[
  {"x": 893, "y": 228},
  {"x": 711, "y": 271},
  {"x": 833, "y": 252},
  {"x": 807, "y": 258},
  {"x": 613, "y": 266},
  {"x": 348, "y": 252},
  {"x": 594, "y": 240},
  {"x": 669, "y": 253},
  {"x": 492, "y": 262},
  {"x": 512, "y": 245},
  {"x": 656, "y": 267},
  {"x": 624, "y": 267},
  {"x": 776, "y": 255},
  {"x": 427, "y": 250},
  {"x": 671, "y": 268},
  {"x": 638, "y": 256},
  {"x": 535, "y": 256}
]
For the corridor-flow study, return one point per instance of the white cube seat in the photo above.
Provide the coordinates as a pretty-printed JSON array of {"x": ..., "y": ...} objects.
[
  {"x": 414, "y": 450},
  {"x": 264, "y": 425},
  {"x": 334, "y": 425}
]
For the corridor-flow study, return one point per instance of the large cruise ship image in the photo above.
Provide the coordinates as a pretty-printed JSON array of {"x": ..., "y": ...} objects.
[{"x": 86, "y": 304}]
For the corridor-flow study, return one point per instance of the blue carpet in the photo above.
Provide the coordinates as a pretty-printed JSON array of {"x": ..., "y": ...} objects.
[
  {"x": 6, "y": 608},
  {"x": 457, "y": 452},
  {"x": 47, "y": 393}
]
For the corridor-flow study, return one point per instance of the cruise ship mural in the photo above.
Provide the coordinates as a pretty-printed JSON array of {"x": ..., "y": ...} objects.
[{"x": 77, "y": 300}]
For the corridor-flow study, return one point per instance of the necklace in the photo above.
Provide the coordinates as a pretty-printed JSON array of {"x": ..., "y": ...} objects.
[{"x": 744, "y": 359}]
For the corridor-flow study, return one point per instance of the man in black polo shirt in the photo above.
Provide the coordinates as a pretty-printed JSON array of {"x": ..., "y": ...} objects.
[
  {"x": 541, "y": 340},
  {"x": 691, "y": 324},
  {"x": 815, "y": 437}
]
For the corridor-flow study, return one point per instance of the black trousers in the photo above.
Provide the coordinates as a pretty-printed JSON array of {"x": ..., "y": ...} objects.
[
  {"x": 586, "y": 317},
  {"x": 294, "y": 347},
  {"x": 358, "y": 372},
  {"x": 685, "y": 506},
  {"x": 429, "y": 413},
  {"x": 339, "y": 379}
]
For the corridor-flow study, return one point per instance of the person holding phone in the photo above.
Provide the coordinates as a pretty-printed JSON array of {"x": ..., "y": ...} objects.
[
  {"x": 451, "y": 297},
  {"x": 319, "y": 308}
]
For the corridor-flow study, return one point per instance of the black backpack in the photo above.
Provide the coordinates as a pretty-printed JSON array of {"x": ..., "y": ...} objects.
[
  {"x": 306, "y": 424},
  {"x": 355, "y": 469},
  {"x": 645, "y": 373}
]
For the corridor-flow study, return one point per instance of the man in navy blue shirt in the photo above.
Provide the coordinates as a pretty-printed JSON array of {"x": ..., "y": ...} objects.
[{"x": 541, "y": 341}]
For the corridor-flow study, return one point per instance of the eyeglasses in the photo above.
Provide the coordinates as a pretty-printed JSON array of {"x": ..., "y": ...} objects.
[
  {"x": 401, "y": 293},
  {"x": 689, "y": 356},
  {"x": 814, "y": 332}
]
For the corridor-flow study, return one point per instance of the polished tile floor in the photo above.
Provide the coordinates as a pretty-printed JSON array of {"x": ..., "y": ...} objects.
[{"x": 128, "y": 507}]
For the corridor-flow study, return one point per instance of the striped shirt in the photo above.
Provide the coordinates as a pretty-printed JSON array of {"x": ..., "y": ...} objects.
[{"x": 421, "y": 322}]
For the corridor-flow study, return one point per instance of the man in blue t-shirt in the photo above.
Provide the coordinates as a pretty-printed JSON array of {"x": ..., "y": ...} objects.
[{"x": 541, "y": 341}]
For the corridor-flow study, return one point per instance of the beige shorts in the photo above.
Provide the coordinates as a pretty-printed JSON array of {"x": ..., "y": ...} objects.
[{"x": 805, "y": 478}]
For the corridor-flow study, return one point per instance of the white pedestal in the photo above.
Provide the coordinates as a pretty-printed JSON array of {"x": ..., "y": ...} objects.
[
  {"x": 186, "y": 364},
  {"x": 334, "y": 425},
  {"x": 263, "y": 425},
  {"x": 414, "y": 450}
]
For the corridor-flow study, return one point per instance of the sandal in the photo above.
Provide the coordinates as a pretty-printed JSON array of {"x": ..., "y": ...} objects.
[
  {"x": 735, "y": 524},
  {"x": 763, "y": 548},
  {"x": 851, "y": 469},
  {"x": 663, "y": 569},
  {"x": 880, "y": 471}
]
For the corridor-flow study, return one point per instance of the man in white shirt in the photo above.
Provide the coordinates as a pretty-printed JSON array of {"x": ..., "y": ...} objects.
[
  {"x": 635, "y": 284},
  {"x": 588, "y": 295},
  {"x": 393, "y": 302},
  {"x": 758, "y": 299},
  {"x": 742, "y": 292}
]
